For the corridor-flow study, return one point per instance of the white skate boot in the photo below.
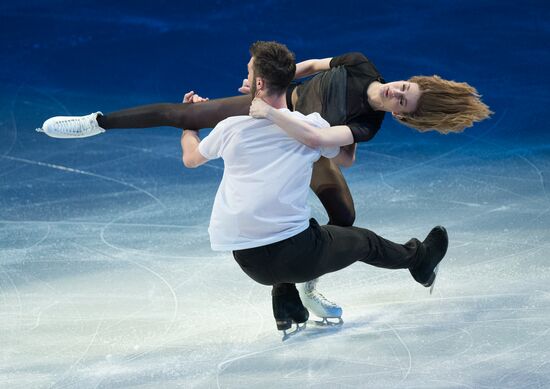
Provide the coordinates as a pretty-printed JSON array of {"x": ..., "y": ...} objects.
[
  {"x": 72, "y": 126},
  {"x": 318, "y": 304}
]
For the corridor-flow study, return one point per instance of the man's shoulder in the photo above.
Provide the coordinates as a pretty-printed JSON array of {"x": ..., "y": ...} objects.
[
  {"x": 234, "y": 120},
  {"x": 233, "y": 124}
]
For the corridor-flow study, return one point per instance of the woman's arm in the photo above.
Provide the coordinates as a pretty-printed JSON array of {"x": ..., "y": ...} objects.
[
  {"x": 311, "y": 66},
  {"x": 301, "y": 131},
  {"x": 303, "y": 69}
]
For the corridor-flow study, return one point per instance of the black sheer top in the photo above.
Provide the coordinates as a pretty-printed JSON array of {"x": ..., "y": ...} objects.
[{"x": 340, "y": 95}]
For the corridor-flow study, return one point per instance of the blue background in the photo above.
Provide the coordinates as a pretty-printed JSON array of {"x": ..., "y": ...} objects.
[{"x": 132, "y": 53}]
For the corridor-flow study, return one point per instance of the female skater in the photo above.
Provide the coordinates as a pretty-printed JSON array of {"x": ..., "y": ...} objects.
[{"x": 348, "y": 91}]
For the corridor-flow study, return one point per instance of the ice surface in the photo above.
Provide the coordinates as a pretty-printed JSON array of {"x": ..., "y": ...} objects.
[
  {"x": 107, "y": 279},
  {"x": 106, "y": 275}
]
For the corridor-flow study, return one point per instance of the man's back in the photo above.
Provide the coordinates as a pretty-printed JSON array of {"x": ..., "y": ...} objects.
[{"x": 262, "y": 198}]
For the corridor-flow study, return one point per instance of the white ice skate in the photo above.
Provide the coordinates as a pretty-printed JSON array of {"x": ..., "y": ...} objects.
[
  {"x": 72, "y": 126},
  {"x": 319, "y": 305}
]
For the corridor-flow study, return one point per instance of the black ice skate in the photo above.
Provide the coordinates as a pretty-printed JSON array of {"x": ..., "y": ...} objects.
[
  {"x": 434, "y": 247},
  {"x": 288, "y": 309}
]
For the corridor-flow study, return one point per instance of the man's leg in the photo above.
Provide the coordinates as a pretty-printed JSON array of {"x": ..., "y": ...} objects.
[
  {"x": 287, "y": 306},
  {"x": 325, "y": 249},
  {"x": 342, "y": 246},
  {"x": 286, "y": 303}
]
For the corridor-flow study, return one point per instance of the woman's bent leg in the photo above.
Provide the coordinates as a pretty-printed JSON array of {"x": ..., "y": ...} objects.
[
  {"x": 331, "y": 188},
  {"x": 193, "y": 116}
]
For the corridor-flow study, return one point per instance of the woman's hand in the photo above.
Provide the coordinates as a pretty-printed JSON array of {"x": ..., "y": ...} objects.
[
  {"x": 245, "y": 88},
  {"x": 191, "y": 97},
  {"x": 259, "y": 109}
]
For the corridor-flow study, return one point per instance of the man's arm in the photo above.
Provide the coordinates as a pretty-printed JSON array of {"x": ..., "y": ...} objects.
[
  {"x": 190, "y": 147},
  {"x": 311, "y": 66}
]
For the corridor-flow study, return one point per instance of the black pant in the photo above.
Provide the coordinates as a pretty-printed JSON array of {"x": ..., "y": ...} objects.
[{"x": 324, "y": 249}]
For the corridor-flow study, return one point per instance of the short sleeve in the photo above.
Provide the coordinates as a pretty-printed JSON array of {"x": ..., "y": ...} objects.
[
  {"x": 348, "y": 59},
  {"x": 319, "y": 122},
  {"x": 211, "y": 146},
  {"x": 330, "y": 152}
]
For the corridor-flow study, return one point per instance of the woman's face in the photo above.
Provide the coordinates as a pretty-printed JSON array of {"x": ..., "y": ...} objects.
[{"x": 400, "y": 96}]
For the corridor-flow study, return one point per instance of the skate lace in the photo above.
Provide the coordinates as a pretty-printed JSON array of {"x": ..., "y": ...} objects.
[
  {"x": 74, "y": 125},
  {"x": 318, "y": 297}
]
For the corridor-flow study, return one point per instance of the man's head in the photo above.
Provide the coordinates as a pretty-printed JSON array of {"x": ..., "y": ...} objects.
[
  {"x": 441, "y": 105},
  {"x": 271, "y": 68}
]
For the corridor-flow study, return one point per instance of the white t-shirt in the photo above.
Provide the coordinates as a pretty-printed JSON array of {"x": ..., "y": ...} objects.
[{"x": 262, "y": 197}]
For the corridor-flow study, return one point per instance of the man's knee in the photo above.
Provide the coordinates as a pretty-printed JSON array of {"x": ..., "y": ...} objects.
[{"x": 345, "y": 217}]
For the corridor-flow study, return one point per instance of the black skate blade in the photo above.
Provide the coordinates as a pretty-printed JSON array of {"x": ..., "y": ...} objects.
[
  {"x": 327, "y": 323},
  {"x": 288, "y": 335}
]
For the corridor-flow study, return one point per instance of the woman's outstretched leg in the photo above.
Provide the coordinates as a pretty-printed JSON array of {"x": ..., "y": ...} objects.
[{"x": 192, "y": 116}]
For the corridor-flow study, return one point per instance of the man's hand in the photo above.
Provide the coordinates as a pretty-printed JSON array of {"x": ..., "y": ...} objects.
[
  {"x": 191, "y": 97},
  {"x": 259, "y": 109},
  {"x": 245, "y": 88}
]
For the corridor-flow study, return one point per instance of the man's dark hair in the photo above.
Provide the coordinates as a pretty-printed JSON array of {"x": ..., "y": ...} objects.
[{"x": 275, "y": 63}]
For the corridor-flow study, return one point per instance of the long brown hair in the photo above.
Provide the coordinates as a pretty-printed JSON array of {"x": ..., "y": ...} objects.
[{"x": 445, "y": 106}]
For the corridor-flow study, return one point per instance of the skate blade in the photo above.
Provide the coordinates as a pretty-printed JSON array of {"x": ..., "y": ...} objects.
[
  {"x": 435, "y": 277},
  {"x": 327, "y": 323},
  {"x": 288, "y": 335}
]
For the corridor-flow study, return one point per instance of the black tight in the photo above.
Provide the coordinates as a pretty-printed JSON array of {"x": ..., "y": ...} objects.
[
  {"x": 189, "y": 116},
  {"x": 331, "y": 188}
]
